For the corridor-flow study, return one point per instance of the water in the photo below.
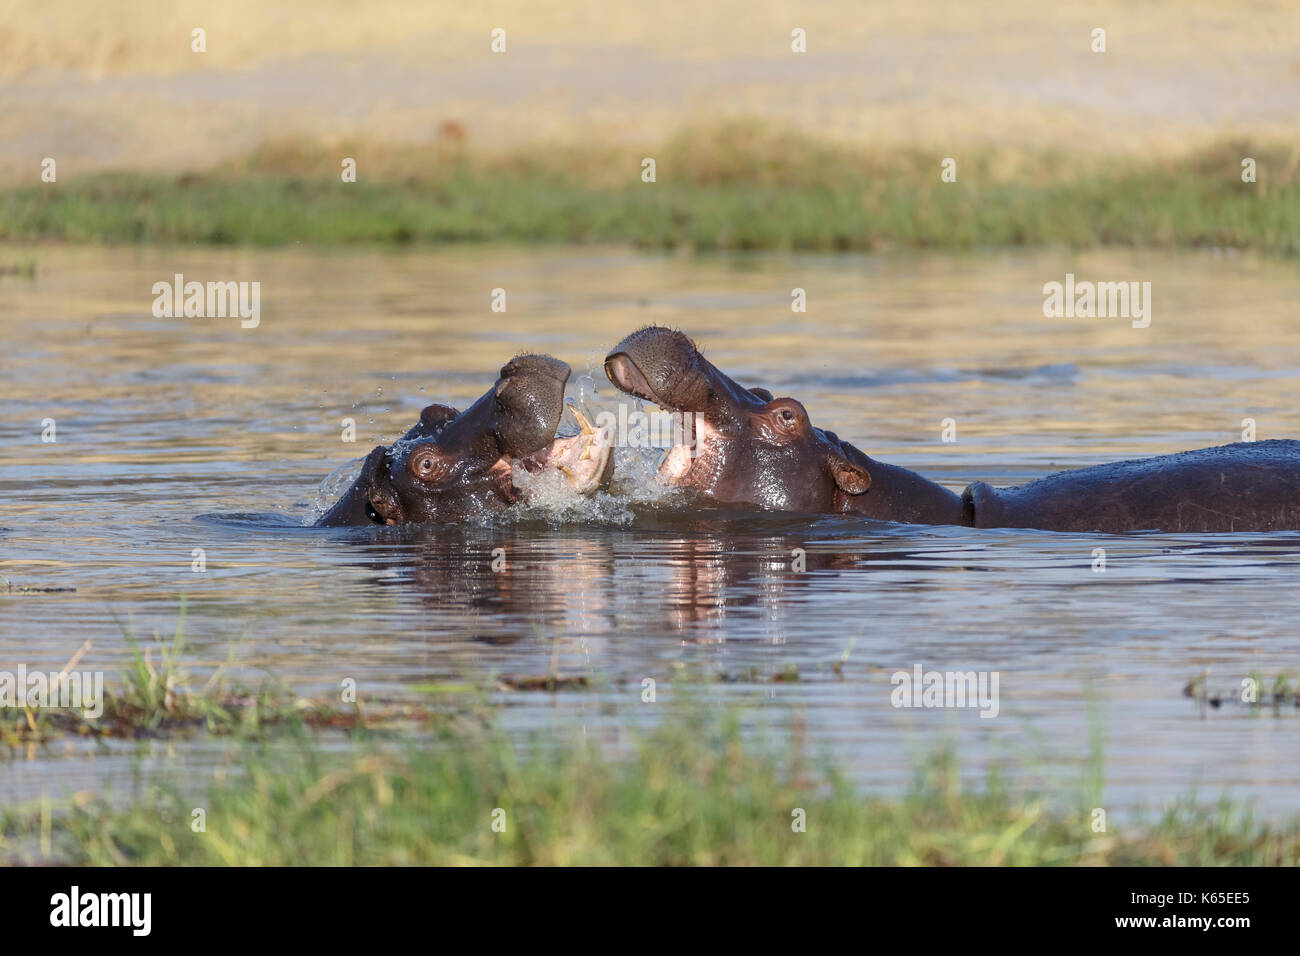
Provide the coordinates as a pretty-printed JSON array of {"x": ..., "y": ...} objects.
[{"x": 183, "y": 434}]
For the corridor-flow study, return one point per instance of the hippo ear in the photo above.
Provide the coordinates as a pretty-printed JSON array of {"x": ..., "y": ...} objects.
[
  {"x": 431, "y": 420},
  {"x": 849, "y": 478},
  {"x": 762, "y": 393},
  {"x": 435, "y": 415}
]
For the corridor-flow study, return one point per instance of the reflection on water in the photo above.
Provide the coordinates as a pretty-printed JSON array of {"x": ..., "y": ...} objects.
[{"x": 176, "y": 435}]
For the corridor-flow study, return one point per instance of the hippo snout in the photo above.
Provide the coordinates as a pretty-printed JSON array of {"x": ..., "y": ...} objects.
[
  {"x": 659, "y": 365},
  {"x": 529, "y": 403},
  {"x": 539, "y": 365},
  {"x": 623, "y": 372}
]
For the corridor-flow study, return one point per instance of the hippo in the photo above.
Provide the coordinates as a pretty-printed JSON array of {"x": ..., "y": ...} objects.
[
  {"x": 746, "y": 448},
  {"x": 453, "y": 465}
]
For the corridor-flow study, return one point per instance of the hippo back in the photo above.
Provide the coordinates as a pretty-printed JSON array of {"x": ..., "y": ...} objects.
[{"x": 1249, "y": 486}]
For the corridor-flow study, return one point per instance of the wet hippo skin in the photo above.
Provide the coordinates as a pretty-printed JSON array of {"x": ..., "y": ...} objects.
[
  {"x": 453, "y": 466},
  {"x": 1249, "y": 486},
  {"x": 752, "y": 449}
]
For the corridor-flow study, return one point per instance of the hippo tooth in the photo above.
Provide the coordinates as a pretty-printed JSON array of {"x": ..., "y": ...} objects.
[{"x": 580, "y": 418}]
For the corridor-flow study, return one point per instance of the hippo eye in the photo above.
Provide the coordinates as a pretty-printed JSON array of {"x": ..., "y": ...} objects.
[
  {"x": 426, "y": 464},
  {"x": 783, "y": 420}
]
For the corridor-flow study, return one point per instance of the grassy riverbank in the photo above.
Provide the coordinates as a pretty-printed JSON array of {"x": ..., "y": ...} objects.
[
  {"x": 692, "y": 792},
  {"x": 321, "y": 783},
  {"x": 739, "y": 186}
]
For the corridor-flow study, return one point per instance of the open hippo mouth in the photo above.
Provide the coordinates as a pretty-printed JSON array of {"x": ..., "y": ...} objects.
[
  {"x": 663, "y": 366},
  {"x": 457, "y": 465},
  {"x": 585, "y": 460},
  {"x": 737, "y": 446}
]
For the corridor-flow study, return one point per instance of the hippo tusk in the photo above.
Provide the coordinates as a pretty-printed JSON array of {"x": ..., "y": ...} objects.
[{"x": 580, "y": 418}]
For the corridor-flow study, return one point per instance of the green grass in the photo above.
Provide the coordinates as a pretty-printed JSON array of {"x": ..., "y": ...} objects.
[
  {"x": 739, "y": 187},
  {"x": 692, "y": 792},
  {"x": 315, "y": 783},
  {"x": 156, "y": 699}
]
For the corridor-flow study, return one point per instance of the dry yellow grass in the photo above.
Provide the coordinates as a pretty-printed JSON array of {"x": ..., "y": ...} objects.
[
  {"x": 750, "y": 152},
  {"x": 99, "y": 85},
  {"x": 152, "y": 36}
]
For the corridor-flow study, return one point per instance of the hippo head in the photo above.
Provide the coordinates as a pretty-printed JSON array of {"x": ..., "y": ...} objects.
[
  {"x": 456, "y": 465},
  {"x": 737, "y": 446}
]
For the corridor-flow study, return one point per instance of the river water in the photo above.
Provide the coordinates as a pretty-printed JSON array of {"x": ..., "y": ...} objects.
[{"x": 180, "y": 434}]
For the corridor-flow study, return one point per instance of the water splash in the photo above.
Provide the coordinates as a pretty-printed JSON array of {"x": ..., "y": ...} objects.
[
  {"x": 547, "y": 495},
  {"x": 332, "y": 488}
]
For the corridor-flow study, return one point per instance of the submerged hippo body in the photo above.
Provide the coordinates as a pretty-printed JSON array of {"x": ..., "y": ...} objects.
[
  {"x": 1249, "y": 486},
  {"x": 752, "y": 449},
  {"x": 456, "y": 465}
]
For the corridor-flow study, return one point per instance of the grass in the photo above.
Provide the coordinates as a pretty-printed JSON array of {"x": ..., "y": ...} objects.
[
  {"x": 151, "y": 39},
  {"x": 156, "y": 700},
  {"x": 445, "y": 784},
  {"x": 738, "y": 186},
  {"x": 693, "y": 792}
]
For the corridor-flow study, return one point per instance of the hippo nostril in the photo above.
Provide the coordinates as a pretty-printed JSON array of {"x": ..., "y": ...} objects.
[{"x": 623, "y": 372}]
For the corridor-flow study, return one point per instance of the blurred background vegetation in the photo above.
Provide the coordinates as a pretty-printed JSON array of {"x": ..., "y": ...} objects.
[{"x": 756, "y": 146}]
